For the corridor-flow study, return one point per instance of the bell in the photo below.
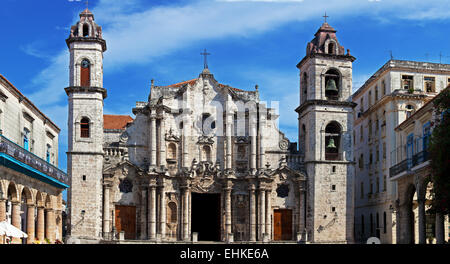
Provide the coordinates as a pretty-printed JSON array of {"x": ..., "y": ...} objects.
[
  {"x": 331, "y": 86},
  {"x": 331, "y": 144}
]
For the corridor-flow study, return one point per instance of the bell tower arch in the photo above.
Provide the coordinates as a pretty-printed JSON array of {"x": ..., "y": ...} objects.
[{"x": 326, "y": 111}]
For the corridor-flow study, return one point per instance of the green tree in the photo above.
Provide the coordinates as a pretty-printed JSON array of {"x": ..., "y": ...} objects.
[{"x": 439, "y": 150}]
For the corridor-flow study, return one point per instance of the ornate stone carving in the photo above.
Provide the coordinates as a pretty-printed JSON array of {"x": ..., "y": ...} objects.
[
  {"x": 205, "y": 140},
  {"x": 170, "y": 136},
  {"x": 284, "y": 144}
]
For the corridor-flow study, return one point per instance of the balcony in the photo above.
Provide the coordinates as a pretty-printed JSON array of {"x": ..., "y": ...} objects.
[
  {"x": 420, "y": 157},
  {"x": 410, "y": 155},
  {"x": 19, "y": 159},
  {"x": 399, "y": 168}
]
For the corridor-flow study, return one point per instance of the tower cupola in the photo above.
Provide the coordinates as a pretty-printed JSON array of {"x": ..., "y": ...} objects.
[{"x": 86, "y": 30}]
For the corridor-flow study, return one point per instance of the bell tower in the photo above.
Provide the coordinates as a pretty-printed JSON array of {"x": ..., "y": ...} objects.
[
  {"x": 325, "y": 117},
  {"x": 85, "y": 128}
]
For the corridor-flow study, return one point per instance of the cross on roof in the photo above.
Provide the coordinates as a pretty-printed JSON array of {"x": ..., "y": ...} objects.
[
  {"x": 325, "y": 16},
  {"x": 205, "y": 55}
]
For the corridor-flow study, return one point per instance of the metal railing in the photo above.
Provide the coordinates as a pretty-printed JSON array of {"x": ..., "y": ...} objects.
[
  {"x": 17, "y": 152},
  {"x": 405, "y": 157}
]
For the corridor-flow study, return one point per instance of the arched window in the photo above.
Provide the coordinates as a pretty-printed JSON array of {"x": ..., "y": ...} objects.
[
  {"x": 85, "y": 80},
  {"x": 85, "y": 30},
  {"x": 84, "y": 127},
  {"x": 332, "y": 141},
  {"x": 332, "y": 84},
  {"x": 331, "y": 48},
  {"x": 172, "y": 151}
]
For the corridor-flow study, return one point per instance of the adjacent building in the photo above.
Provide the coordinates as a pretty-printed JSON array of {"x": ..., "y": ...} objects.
[
  {"x": 31, "y": 184},
  {"x": 411, "y": 173},
  {"x": 394, "y": 93}
]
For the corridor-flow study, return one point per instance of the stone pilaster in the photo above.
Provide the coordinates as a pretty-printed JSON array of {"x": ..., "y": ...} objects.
[
  {"x": 30, "y": 224},
  {"x": 268, "y": 220},
  {"x": 229, "y": 121},
  {"x": 253, "y": 133},
  {"x": 153, "y": 141},
  {"x": 262, "y": 122},
  {"x": 143, "y": 215},
  {"x": 227, "y": 193},
  {"x": 301, "y": 207},
  {"x": 162, "y": 141},
  {"x": 152, "y": 212},
  {"x": 162, "y": 211},
  {"x": 252, "y": 205},
  {"x": 186, "y": 235},
  {"x": 262, "y": 213},
  {"x": 106, "y": 210}
]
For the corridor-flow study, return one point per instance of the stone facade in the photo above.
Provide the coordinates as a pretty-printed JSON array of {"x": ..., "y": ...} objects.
[
  {"x": 394, "y": 92},
  {"x": 205, "y": 161},
  {"x": 412, "y": 176},
  {"x": 30, "y": 183}
]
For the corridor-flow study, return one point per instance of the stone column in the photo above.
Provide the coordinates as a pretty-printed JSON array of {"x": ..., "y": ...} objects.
[
  {"x": 143, "y": 215},
  {"x": 186, "y": 214},
  {"x": 152, "y": 212},
  {"x": 262, "y": 119},
  {"x": 40, "y": 223},
  {"x": 268, "y": 214},
  {"x": 301, "y": 208},
  {"x": 15, "y": 218},
  {"x": 185, "y": 147},
  {"x": 422, "y": 231},
  {"x": 229, "y": 122},
  {"x": 252, "y": 124},
  {"x": 153, "y": 141},
  {"x": 50, "y": 224},
  {"x": 227, "y": 192},
  {"x": 58, "y": 214},
  {"x": 162, "y": 141},
  {"x": 440, "y": 228},
  {"x": 262, "y": 213},
  {"x": 252, "y": 213},
  {"x": 2, "y": 210},
  {"x": 106, "y": 215},
  {"x": 162, "y": 211},
  {"x": 30, "y": 224}
]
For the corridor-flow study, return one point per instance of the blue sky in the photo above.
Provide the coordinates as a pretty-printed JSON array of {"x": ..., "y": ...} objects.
[{"x": 251, "y": 41}]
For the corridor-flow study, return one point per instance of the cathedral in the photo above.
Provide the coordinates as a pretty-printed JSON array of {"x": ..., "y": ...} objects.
[{"x": 203, "y": 161}]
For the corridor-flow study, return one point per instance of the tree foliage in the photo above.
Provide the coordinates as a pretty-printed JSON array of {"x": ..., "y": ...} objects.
[{"x": 440, "y": 153}]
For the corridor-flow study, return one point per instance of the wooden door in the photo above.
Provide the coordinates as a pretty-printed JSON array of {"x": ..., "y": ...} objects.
[
  {"x": 282, "y": 219},
  {"x": 126, "y": 220}
]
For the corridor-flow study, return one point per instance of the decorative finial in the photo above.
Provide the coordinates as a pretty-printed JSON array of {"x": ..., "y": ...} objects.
[
  {"x": 153, "y": 83},
  {"x": 205, "y": 54},
  {"x": 325, "y": 16},
  {"x": 256, "y": 87}
]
